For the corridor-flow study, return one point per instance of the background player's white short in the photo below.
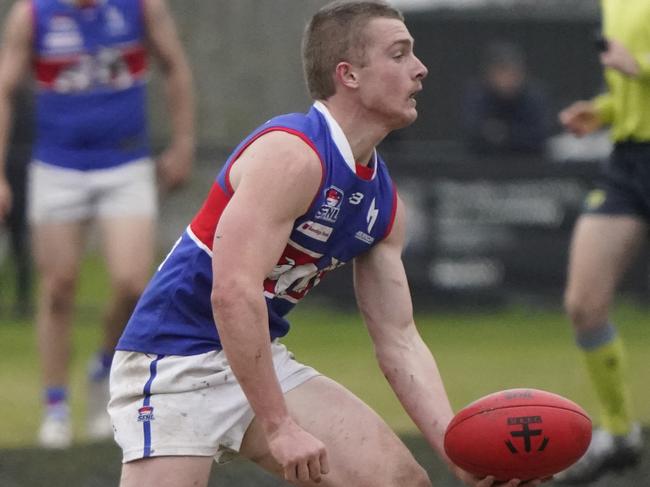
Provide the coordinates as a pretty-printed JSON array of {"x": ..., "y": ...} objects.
[
  {"x": 59, "y": 194},
  {"x": 186, "y": 405}
]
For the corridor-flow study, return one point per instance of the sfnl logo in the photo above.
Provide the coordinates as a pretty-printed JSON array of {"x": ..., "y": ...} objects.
[{"x": 145, "y": 414}]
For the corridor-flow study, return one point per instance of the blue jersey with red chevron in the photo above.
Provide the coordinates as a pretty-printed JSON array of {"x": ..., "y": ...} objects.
[
  {"x": 90, "y": 68},
  {"x": 348, "y": 215}
]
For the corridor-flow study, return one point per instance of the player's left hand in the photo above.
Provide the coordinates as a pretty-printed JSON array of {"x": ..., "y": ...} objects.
[
  {"x": 175, "y": 165},
  {"x": 618, "y": 57}
]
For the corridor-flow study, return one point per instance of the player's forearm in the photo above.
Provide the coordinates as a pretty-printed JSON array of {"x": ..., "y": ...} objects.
[
  {"x": 413, "y": 374},
  {"x": 242, "y": 322},
  {"x": 180, "y": 101}
]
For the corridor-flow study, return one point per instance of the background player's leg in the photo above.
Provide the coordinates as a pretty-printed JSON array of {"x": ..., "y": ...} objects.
[
  {"x": 362, "y": 449},
  {"x": 602, "y": 248},
  {"x": 57, "y": 253},
  {"x": 128, "y": 244}
]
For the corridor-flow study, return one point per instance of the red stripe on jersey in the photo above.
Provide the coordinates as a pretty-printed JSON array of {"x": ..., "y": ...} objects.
[
  {"x": 136, "y": 60},
  {"x": 205, "y": 221},
  {"x": 47, "y": 69}
]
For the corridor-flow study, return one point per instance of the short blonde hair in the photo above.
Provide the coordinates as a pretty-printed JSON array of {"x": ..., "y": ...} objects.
[{"x": 337, "y": 33}]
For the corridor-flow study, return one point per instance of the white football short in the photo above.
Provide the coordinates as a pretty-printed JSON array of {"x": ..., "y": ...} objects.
[
  {"x": 58, "y": 194},
  {"x": 186, "y": 405}
]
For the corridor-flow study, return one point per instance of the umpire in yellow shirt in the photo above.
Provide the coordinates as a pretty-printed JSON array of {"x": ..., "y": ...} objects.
[{"x": 610, "y": 231}]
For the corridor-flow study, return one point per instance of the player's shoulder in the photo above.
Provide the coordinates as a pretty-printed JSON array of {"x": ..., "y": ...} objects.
[{"x": 302, "y": 122}]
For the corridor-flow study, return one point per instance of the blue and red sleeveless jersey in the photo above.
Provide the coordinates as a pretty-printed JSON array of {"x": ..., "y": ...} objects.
[
  {"x": 348, "y": 215},
  {"x": 90, "y": 68}
]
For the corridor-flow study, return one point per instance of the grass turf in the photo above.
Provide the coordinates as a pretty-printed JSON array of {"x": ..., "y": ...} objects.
[{"x": 477, "y": 352}]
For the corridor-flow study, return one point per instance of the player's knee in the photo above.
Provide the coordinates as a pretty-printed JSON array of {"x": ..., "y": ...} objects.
[
  {"x": 59, "y": 293},
  {"x": 129, "y": 290},
  {"x": 585, "y": 312}
]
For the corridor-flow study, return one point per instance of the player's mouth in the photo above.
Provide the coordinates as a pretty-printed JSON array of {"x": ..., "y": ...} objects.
[{"x": 413, "y": 94}]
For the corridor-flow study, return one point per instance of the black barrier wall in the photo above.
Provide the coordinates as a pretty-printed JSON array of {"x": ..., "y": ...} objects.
[{"x": 488, "y": 231}]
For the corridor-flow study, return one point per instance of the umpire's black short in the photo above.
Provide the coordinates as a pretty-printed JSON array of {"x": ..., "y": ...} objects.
[{"x": 624, "y": 188}]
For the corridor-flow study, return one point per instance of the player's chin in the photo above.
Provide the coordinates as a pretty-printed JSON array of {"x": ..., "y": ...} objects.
[{"x": 405, "y": 116}]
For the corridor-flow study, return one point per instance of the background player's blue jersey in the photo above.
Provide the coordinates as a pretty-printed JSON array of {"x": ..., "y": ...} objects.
[
  {"x": 90, "y": 67},
  {"x": 348, "y": 215}
]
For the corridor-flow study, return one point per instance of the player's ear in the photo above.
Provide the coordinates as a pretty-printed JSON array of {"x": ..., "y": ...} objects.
[{"x": 347, "y": 75}]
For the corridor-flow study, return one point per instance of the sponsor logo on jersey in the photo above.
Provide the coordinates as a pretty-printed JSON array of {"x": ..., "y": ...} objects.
[
  {"x": 115, "y": 23},
  {"x": 62, "y": 23},
  {"x": 315, "y": 230},
  {"x": 296, "y": 273},
  {"x": 371, "y": 218},
  {"x": 145, "y": 414},
  {"x": 364, "y": 237},
  {"x": 330, "y": 210},
  {"x": 62, "y": 35}
]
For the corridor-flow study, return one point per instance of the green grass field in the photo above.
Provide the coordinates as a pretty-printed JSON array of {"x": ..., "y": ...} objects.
[{"x": 477, "y": 352}]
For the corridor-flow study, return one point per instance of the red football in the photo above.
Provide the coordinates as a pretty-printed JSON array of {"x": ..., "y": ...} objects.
[{"x": 518, "y": 433}]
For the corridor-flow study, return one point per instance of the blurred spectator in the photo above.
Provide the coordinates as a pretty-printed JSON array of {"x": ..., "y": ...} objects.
[
  {"x": 19, "y": 149},
  {"x": 504, "y": 112}
]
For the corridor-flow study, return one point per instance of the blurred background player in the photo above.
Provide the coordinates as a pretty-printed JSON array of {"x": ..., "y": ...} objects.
[
  {"x": 91, "y": 161},
  {"x": 611, "y": 230},
  {"x": 504, "y": 111}
]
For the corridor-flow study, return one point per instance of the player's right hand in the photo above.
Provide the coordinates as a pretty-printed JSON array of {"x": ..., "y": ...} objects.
[
  {"x": 301, "y": 456},
  {"x": 580, "y": 118},
  {"x": 5, "y": 199}
]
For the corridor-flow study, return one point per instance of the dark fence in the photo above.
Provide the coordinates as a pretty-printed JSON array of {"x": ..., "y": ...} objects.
[{"x": 489, "y": 231}]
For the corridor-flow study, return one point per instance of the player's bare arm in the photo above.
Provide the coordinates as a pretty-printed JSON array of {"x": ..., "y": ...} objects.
[
  {"x": 384, "y": 299},
  {"x": 618, "y": 57},
  {"x": 14, "y": 61},
  {"x": 176, "y": 162},
  {"x": 580, "y": 118},
  {"x": 275, "y": 180}
]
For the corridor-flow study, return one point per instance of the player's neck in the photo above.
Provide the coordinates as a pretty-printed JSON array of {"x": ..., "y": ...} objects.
[{"x": 362, "y": 134}]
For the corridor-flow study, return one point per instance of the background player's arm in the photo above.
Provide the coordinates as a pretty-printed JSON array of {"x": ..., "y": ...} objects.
[
  {"x": 176, "y": 162},
  {"x": 15, "y": 54},
  {"x": 384, "y": 299},
  {"x": 275, "y": 180},
  {"x": 581, "y": 117}
]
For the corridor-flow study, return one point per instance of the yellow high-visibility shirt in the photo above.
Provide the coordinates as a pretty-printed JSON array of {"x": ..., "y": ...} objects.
[{"x": 626, "y": 105}]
